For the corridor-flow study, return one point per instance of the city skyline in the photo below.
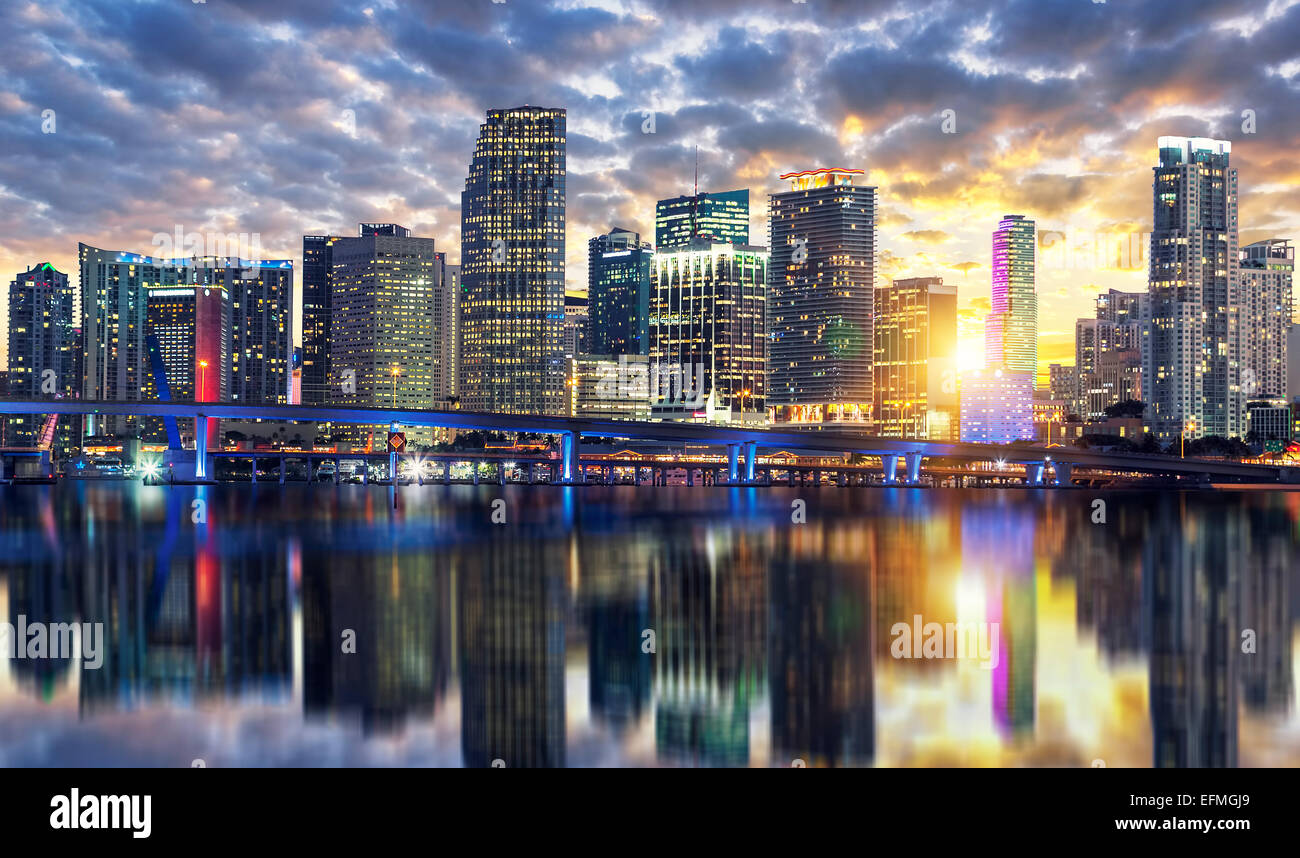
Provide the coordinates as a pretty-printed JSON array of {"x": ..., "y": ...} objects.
[{"x": 1066, "y": 142}]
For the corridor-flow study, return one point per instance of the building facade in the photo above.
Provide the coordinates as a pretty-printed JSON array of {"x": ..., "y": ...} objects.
[
  {"x": 823, "y": 245},
  {"x": 1011, "y": 330},
  {"x": 1265, "y": 276},
  {"x": 708, "y": 333},
  {"x": 1191, "y": 343},
  {"x": 722, "y": 218},
  {"x": 914, "y": 366},
  {"x": 512, "y": 265},
  {"x": 44, "y": 352},
  {"x": 618, "y": 289},
  {"x": 317, "y": 275},
  {"x": 384, "y": 338},
  {"x": 997, "y": 406}
]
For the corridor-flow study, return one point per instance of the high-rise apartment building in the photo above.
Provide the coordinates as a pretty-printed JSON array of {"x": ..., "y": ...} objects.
[
  {"x": 915, "y": 379},
  {"x": 384, "y": 338},
  {"x": 1265, "y": 316},
  {"x": 1191, "y": 356},
  {"x": 1011, "y": 329},
  {"x": 512, "y": 265},
  {"x": 44, "y": 351},
  {"x": 823, "y": 246},
  {"x": 618, "y": 291},
  {"x": 1113, "y": 339},
  {"x": 721, "y": 218},
  {"x": 708, "y": 333}
]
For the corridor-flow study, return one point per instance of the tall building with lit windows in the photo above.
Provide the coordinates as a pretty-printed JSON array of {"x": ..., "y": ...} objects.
[
  {"x": 1266, "y": 310},
  {"x": 708, "y": 333},
  {"x": 1191, "y": 338},
  {"x": 618, "y": 289},
  {"x": 446, "y": 378},
  {"x": 384, "y": 338},
  {"x": 915, "y": 377},
  {"x": 721, "y": 217},
  {"x": 512, "y": 265},
  {"x": 44, "y": 350},
  {"x": 317, "y": 275},
  {"x": 823, "y": 245},
  {"x": 1011, "y": 329}
]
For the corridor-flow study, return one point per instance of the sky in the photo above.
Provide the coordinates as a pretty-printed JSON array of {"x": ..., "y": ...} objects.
[{"x": 278, "y": 119}]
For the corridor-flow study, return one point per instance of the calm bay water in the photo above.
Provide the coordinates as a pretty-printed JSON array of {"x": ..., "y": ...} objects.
[{"x": 226, "y": 624}]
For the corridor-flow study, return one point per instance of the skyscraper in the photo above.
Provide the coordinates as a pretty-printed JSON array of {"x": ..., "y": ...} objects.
[
  {"x": 261, "y": 332},
  {"x": 1011, "y": 330},
  {"x": 317, "y": 275},
  {"x": 823, "y": 243},
  {"x": 44, "y": 348},
  {"x": 512, "y": 265},
  {"x": 1191, "y": 345},
  {"x": 721, "y": 218},
  {"x": 1107, "y": 354},
  {"x": 1265, "y": 316},
  {"x": 447, "y": 310},
  {"x": 384, "y": 336},
  {"x": 113, "y": 319},
  {"x": 618, "y": 288},
  {"x": 915, "y": 384},
  {"x": 708, "y": 332}
]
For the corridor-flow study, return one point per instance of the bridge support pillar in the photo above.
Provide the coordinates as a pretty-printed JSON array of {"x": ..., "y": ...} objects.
[
  {"x": 1063, "y": 470},
  {"x": 1034, "y": 473},
  {"x": 751, "y": 458},
  {"x": 501, "y": 473},
  {"x": 474, "y": 467},
  {"x": 201, "y": 448},
  {"x": 842, "y": 479},
  {"x": 733, "y": 462},
  {"x": 336, "y": 470},
  {"x": 913, "y": 468},
  {"x": 252, "y": 469},
  {"x": 690, "y": 475},
  {"x": 365, "y": 472},
  {"x": 890, "y": 463},
  {"x": 282, "y": 461},
  {"x": 532, "y": 472}
]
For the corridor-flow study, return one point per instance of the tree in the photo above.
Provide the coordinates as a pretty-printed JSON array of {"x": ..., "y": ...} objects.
[{"x": 1127, "y": 408}]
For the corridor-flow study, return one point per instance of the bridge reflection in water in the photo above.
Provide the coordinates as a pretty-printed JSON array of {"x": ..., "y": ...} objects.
[{"x": 227, "y": 633}]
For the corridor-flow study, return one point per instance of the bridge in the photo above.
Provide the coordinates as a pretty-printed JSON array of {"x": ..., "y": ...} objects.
[{"x": 740, "y": 468}]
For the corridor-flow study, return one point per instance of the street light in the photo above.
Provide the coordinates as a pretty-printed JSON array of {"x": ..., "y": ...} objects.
[
  {"x": 203, "y": 365},
  {"x": 743, "y": 394},
  {"x": 1190, "y": 426},
  {"x": 395, "y": 371}
]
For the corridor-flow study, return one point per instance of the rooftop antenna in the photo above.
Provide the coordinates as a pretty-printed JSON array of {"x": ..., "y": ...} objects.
[{"x": 697, "y": 170}]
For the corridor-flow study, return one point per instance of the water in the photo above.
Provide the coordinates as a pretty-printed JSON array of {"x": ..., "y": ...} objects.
[{"x": 522, "y": 642}]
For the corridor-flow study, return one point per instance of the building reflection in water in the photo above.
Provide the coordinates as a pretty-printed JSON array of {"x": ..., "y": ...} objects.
[
  {"x": 820, "y": 665},
  {"x": 512, "y": 616},
  {"x": 772, "y": 639}
]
